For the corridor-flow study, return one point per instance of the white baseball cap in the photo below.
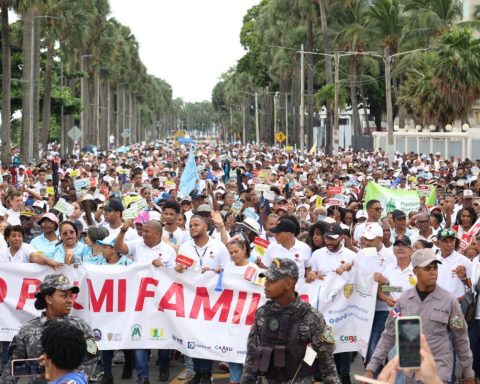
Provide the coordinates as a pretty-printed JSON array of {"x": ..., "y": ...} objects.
[{"x": 372, "y": 230}]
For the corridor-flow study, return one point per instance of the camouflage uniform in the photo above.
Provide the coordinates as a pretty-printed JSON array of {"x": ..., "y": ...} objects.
[
  {"x": 26, "y": 343},
  {"x": 312, "y": 327}
]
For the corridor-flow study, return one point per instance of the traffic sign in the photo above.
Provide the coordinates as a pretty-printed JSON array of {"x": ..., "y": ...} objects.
[
  {"x": 280, "y": 136},
  {"x": 74, "y": 133}
]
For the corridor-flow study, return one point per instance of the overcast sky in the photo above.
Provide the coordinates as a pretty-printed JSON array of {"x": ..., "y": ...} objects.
[{"x": 188, "y": 43}]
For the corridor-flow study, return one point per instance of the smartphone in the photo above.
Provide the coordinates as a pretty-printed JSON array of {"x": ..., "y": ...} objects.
[
  {"x": 27, "y": 367},
  {"x": 408, "y": 330}
]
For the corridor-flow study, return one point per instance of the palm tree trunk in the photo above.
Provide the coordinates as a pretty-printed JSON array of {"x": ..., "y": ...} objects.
[
  {"x": 47, "y": 98},
  {"x": 36, "y": 85},
  {"x": 357, "y": 126},
  {"x": 27, "y": 85},
  {"x": 328, "y": 71},
  {"x": 364, "y": 102},
  {"x": 6, "y": 84},
  {"x": 96, "y": 110},
  {"x": 310, "y": 58}
]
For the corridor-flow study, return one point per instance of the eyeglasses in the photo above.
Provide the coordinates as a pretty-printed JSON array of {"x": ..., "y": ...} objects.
[
  {"x": 68, "y": 233},
  {"x": 378, "y": 209}
]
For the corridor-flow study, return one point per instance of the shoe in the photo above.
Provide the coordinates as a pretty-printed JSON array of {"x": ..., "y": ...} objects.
[
  {"x": 143, "y": 380},
  {"x": 164, "y": 375},
  {"x": 107, "y": 379},
  {"x": 206, "y": 379},
  {"x": 118, "y": 357},
  {"x": 196, "y": 379},
  {"x": 186, "y": 374},
  {"x": 126, "y": 373}
]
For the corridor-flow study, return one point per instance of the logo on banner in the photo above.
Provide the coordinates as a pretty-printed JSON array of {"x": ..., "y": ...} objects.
[
  {"x": 97, "y": 334},
  {"x": 114, "y": 336},
  {"x": 177, "y": 339},
  {"x": 191, "y": 345},
  {"x": 223, "y": 348},
  {"x": 156, "y": 333},
  {"x": 347, "y": 290},
  {"x": 348, "y": 339},
  {"x": 136, "y": 332}
]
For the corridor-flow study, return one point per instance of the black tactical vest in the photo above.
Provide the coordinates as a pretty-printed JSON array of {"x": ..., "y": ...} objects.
[{"x": 283, "y": 343}]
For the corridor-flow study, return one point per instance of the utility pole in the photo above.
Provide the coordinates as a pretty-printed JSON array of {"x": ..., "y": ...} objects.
[
  {"x": 82, "y": 97},
  {"x": 302, "y": 99},
  {"x": 336, "y": 130},
  {"x": 388, "y": 94},
  {"x": 275, "y": 129},
  {"x": 257, "y": 126}
]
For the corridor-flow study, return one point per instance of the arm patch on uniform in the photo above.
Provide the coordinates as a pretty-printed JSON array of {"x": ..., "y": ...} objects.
[
  {"x": 327, "y": 336},
  {"x": 457, "y": 322},
  {"x": 92, "y": 348}
]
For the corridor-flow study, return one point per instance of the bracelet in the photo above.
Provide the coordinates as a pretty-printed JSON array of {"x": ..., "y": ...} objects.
[{"x": 123, "y": 230}]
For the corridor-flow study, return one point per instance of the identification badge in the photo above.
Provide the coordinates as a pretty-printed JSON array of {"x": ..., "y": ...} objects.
[{"x": 391, "y": 288}]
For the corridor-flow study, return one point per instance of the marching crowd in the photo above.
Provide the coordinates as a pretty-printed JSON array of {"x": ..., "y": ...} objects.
[{"x": 251, "y": 205}]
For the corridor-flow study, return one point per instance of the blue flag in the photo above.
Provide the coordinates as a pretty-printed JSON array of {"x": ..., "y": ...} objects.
[{"x": 190, "y": 175}]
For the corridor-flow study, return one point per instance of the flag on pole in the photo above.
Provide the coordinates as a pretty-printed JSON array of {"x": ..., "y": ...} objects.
[{"x": 189, "y": 176}]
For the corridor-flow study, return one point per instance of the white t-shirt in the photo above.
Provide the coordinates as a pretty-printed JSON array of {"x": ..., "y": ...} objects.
[
  {"x": 447, "y": 279},
  {"x": 300, "y": 253},
  {"x": 325, "y": 262},
  {"x": 13, "y": 217},
  {"x": 178, "y": 237},
  {"x": 113, "y": 233},
  {"x": 213, "y": 255},
  {"x": 232, "y": 269},
  {"x": 22, "y": 255},
  {"x": 139, "y": 252},
  {"x": 397, "y": 278}
]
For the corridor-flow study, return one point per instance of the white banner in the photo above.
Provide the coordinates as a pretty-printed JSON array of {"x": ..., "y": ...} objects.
[
  {"x": 141, "y": 306},
  {"x": 347, "y": 302}
]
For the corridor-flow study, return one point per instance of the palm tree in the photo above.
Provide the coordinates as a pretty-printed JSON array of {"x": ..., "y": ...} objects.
[{"x": 6, "y": 82}]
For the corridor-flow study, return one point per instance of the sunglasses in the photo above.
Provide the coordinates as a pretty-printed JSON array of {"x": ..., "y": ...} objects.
[
  {"x": 379, "y": 209},
  {"x": 68, "y": 233}
]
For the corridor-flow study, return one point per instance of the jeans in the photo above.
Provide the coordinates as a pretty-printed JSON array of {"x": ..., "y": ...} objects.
[
  {"x": 474, "y": 336},
  {"x": 377, "y": 328},
  {"x": 342, "y": 363},
  {"x": 141, "y": 361},
  {"x": 188, "y": 362},
  {"x": 236, "y": 370},
  {"x": 5, "y": 345},
  {"x": 107, "y": 357},
  {"x": 202, "y": 366}
]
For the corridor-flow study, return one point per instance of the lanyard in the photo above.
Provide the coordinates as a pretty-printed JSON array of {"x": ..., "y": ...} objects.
[{"x": 202, "y": 256}]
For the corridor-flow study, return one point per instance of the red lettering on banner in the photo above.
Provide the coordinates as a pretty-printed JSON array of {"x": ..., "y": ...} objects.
[
  {"x": 25, "y": 293},
  {"x": 122, "y": 295},
  {"x": 3, "y": 290},
  {"x": 237, "y": 314},
  {"x": 76, "y": 305},
  {"x": 202, "y": 298},
  {"x": 144, "y": 293},
  {"x": 253, "y": 308},
  {"x": 176, "y": 289},
  {"x": 105, "y": 294}
]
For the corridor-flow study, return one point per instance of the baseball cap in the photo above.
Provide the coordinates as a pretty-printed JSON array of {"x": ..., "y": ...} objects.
[
  {"x": 405, "y": 240},
  {"x": 446, "y": 232},
  {"x": 333, "y": 230},
  {"x": 251, "y": 224},
  {"x": 398, "y": 214},
  {"x": 186, "y": 198},
  {"x": 198, "y": 195},
  {"x": 204, "y": 208},
  {"x": 285, "y": 225},
  {"x": 27, "y": 212},
  {"x": 361, "y": 214},
  {"x": 372, "y": 230},
  {"x": 424, "y": 257},
  {"x": 281, "y": 269},
  {"x": 468, "y": 193},
  {"x": 114, "y": 205},
  {"x": 109, "y": 243},
  {"x": 279, "y": 198},
  {"x": 49, "y": 216},
  {"x": 58, "y": 281}
]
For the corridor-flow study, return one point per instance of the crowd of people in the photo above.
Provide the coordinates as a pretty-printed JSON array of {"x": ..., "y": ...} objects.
[{"x": 249, "y": 206}]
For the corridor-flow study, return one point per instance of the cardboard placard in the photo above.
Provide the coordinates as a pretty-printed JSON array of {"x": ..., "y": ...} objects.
[
  {"x": 130, "y": 214},
  {"x": 184, "y": 260},
  {"x": 64, "y": 207}
]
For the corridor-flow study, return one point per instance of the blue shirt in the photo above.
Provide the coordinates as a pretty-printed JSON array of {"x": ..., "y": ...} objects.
[
  {"x": 42, "y": 244},
  {"x": 100, "y": 260},
  {"x": 72, "y": 378},
  {"x": 82, "y": 254}
]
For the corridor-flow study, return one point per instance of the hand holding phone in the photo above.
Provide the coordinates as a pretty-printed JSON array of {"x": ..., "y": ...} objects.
[
  {"x": 27, "y": 367},
  {"x": 407, "y": 331}
]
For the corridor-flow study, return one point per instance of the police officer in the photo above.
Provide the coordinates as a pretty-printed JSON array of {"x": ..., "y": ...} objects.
[
  {"x": 283, "y": 329},
  {"x": 55, "y": 296},
  {"x": 440, "y": 313}
]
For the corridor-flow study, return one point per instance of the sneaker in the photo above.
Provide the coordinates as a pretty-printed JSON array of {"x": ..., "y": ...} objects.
[
  {"x": 118, "y": 357},
  {"x": 186, "y": 374},
  {"x": 196, "y": 379},
  {"x": 164, "y": 375},
  {"x": 107, "y": 379}
]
